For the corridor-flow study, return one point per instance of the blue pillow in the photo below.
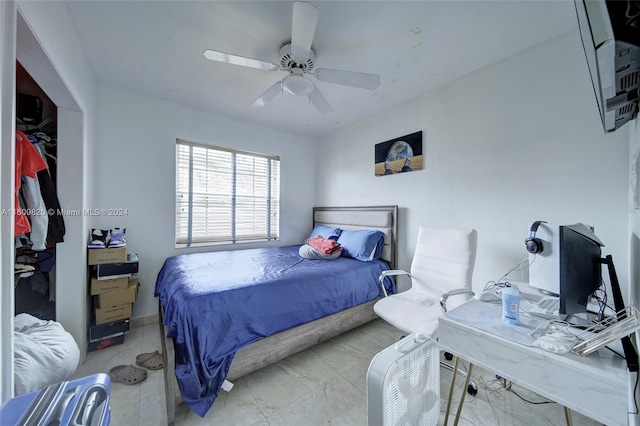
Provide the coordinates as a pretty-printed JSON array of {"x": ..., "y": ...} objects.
[
  {"x": 326, "y": 232},
  {"x": 365, "y": 245}
]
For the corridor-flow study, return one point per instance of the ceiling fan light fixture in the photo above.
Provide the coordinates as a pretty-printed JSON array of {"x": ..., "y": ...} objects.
[{"x": 297, "y": 85}]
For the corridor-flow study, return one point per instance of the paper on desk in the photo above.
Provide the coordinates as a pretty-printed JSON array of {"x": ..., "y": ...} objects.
[{"x": 488, "y": 317}]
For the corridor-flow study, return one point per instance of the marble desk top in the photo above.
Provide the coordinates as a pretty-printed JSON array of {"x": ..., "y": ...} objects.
[{"x": 596, "y": 385}]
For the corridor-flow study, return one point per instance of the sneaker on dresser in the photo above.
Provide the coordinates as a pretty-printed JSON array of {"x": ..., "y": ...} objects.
[
  {"x": 118, "y": 238},
  {"x": 98, "y": 238}
]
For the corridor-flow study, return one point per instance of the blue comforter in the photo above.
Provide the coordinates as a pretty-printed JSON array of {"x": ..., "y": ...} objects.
[{"x": 216, "y": 303}]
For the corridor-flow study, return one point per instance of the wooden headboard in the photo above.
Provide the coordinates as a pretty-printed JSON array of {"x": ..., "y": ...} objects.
[{"x": 381, "y": 218}]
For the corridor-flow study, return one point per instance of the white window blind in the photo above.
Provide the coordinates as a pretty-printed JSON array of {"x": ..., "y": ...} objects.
[{"x": 225, "y": 196}]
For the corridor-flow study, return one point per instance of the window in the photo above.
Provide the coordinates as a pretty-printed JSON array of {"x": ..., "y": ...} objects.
[{"x": 225, "y": 196}]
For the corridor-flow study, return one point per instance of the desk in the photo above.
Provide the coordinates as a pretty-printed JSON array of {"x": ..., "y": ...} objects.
[{"x": 596, "y": 385}]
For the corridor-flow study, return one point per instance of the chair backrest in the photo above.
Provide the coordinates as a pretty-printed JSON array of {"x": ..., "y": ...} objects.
[{"x": 443, "y": 260}]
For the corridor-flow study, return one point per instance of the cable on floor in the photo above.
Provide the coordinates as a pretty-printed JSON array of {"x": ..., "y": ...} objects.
[
  {"x": 492, "y": 387},
  {"x": 495, "y": 386},
  {"x": 530, "y": 402}
]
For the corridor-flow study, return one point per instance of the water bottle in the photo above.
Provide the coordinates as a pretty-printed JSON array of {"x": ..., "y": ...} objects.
[{"x": 511, "y": 305}]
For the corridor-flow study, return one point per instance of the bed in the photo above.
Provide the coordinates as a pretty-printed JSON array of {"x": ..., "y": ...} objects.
[{"x": 226, "y": 314}]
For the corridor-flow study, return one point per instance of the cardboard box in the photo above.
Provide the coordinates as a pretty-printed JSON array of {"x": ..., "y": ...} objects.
[
  {"x": 107, "y": 271},
  {"x": 103, "y": 286},
  {"x": 113, "y": 313},
  {"x": 106, "y": 255},
  {"x": 117, "y": 297},
  {"x": 107, "y": 342},
  {"x": 99, "y": 332}
]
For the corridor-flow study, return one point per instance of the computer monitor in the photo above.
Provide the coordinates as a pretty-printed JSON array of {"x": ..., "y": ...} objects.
[{"x": 568, "y": 266}]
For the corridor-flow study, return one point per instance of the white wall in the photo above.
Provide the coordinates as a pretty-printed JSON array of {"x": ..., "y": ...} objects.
[
  {"x": 134, "y": 169},
  {"x": 510, "y": 144}
]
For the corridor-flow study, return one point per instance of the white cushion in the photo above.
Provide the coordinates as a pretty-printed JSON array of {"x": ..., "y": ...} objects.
[
  {"x": 44, "y": 353},
  {"x": 411, "y": 311}
]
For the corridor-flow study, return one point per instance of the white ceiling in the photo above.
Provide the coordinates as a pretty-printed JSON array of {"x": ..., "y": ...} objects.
[{"x": 155, "y": 48}]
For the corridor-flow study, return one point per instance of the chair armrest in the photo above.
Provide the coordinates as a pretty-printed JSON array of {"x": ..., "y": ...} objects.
[
  {"x": 445, "y": 296},
  {"x": 390, "y": 273}
]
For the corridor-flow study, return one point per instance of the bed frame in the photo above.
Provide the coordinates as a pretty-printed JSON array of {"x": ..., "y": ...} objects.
[{"x": 281, "y": 345}]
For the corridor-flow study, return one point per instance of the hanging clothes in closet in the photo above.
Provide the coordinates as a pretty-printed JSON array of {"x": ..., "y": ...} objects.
[
  {"x": 55, "y": 228},
  {"x": 43, "y": 225},
  {"x": 28, "y": 163}
]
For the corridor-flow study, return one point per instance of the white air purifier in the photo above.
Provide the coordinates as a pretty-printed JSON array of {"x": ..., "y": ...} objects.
[{"x": 403, "y": 383}]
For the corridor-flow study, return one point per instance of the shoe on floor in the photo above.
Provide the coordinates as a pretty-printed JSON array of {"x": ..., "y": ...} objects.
[
  {"x": 117, "y": 238},
  {"x": 98, "y": 238},
  {"x": 150, "y": 361},
  {"x": 127, "y": 374}
]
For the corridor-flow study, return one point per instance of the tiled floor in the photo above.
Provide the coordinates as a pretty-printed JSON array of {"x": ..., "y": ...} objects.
[{"x": 324, "y": 385}]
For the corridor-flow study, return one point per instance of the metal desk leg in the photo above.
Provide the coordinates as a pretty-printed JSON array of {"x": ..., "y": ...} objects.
[
  {"x": 464, "y": 393},
  {"x": 567, "y": 415},
  {"x": 451, "y": 386}
]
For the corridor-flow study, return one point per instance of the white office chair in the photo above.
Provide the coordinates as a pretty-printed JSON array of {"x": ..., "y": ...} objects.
[
  {"x": 442, "y": 266},
  {"x": 441, "y": 273}
]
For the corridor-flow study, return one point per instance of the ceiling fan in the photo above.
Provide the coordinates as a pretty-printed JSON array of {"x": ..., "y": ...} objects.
[{"x": 297, "y": 59}]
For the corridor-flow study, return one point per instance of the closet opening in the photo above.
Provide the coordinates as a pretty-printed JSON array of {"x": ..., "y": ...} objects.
[{"x": 41, "y": 226}]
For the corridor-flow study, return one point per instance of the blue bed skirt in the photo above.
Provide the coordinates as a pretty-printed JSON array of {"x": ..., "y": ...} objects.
[{"x": 216, "y": 303}]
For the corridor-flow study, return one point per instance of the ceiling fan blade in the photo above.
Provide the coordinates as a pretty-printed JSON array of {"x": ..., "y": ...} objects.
[
  {"x": 228, "y": 58},
  {"x": 268, "y": 96},
  {"x": 319, "y": 101},
  {"x": 303, "y": 27},
  {"x": 348, "y": 78}
]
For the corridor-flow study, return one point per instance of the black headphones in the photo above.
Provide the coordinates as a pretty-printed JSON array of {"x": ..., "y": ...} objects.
[{"x": 534, "y": 245}]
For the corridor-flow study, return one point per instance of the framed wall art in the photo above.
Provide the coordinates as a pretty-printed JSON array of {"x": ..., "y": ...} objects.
[{"x": 399, "y": 155}]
